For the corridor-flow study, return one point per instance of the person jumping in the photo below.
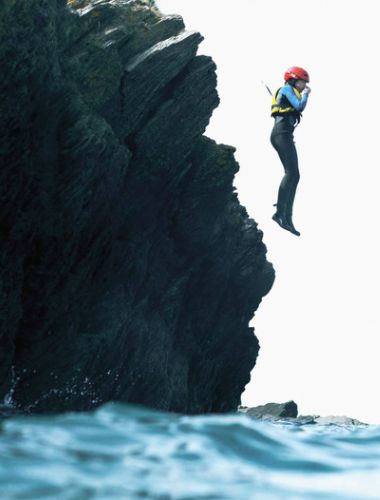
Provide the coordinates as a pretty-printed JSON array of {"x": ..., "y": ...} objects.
[{"x": 288, "y": 102}]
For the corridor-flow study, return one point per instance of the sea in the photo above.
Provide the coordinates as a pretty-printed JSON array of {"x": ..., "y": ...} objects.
[{"x": 119, "y": 451}]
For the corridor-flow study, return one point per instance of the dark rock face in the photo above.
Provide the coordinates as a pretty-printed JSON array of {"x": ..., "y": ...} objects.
[{"x": 129, "y": 271}]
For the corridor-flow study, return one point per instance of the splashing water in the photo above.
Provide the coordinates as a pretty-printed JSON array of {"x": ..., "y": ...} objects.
[{"x": 128, "y": 452}]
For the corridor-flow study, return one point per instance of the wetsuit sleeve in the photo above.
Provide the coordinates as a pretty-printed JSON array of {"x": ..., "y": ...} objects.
[{"x": 287, "y": 91}]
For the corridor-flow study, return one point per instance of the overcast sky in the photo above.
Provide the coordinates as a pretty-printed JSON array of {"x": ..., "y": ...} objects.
[{"x": 319, "y": 327}]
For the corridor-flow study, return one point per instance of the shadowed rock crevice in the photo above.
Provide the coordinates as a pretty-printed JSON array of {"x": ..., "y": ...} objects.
[{"x": 129, "y": 270}]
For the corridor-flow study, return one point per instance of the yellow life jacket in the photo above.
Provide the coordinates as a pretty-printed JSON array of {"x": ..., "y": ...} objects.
[{"x": 279, "y": 108}]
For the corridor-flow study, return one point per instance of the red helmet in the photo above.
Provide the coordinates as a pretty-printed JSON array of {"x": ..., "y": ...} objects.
[{"x": 296, "y": 72}]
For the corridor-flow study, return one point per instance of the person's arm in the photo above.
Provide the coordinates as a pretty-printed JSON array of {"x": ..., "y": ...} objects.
[{"x": 288, "y": 92}]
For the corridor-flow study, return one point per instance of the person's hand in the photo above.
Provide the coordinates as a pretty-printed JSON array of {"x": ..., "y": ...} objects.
[{"x": 307, "y": 89}]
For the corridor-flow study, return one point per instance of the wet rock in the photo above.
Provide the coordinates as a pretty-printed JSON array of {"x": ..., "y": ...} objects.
[
  {"x": 337, "y": 420},
  {"x": 274, "y": 411},
  {"x": 129, "y": 270},
  {"x": 288, "y": 412}
]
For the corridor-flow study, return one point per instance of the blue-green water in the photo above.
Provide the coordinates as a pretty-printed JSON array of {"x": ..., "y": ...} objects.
[{"x": 127, "y": 452}]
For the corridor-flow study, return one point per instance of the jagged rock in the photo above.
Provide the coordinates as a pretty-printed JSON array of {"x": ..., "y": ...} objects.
[
  {"x": 129, "y": 271},
  {"x": 274, "y": 410},
  {"x": 289, "y": 412},
  {"x": 337, "y": 420}
]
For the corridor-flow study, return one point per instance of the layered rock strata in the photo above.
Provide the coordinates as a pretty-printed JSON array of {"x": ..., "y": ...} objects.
[{"x": 129, "y": 270}]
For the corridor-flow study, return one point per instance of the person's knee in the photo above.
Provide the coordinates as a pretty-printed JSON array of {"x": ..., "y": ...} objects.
[{"x": 293, "y": 176}]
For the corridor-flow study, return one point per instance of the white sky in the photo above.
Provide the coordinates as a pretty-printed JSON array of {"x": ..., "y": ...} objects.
[{"x": 319, "y": 327}]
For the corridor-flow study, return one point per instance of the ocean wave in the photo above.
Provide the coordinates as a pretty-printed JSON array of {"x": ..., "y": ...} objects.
[{"x": 129, "y": 452}]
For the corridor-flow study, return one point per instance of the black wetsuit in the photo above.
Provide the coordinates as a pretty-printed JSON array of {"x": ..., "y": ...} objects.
[{"x": 283, "y": 142}]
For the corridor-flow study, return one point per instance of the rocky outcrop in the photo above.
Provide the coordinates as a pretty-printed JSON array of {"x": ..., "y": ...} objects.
[
  {"x": 288, "y": 412},
  {"x": 129, "y": 271},
  {"x": 274, "y": 410},
  {"x": 336, "y": 420}
]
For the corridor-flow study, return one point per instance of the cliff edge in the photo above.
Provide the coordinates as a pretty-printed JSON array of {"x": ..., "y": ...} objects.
[{"x": 129, "y": 270}]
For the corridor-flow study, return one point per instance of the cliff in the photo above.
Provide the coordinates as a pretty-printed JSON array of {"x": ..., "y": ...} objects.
[{"x": 129, "y": 271}]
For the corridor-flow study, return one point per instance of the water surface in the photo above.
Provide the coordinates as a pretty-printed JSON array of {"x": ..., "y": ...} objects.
[{"x": 128, "y": 452}]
